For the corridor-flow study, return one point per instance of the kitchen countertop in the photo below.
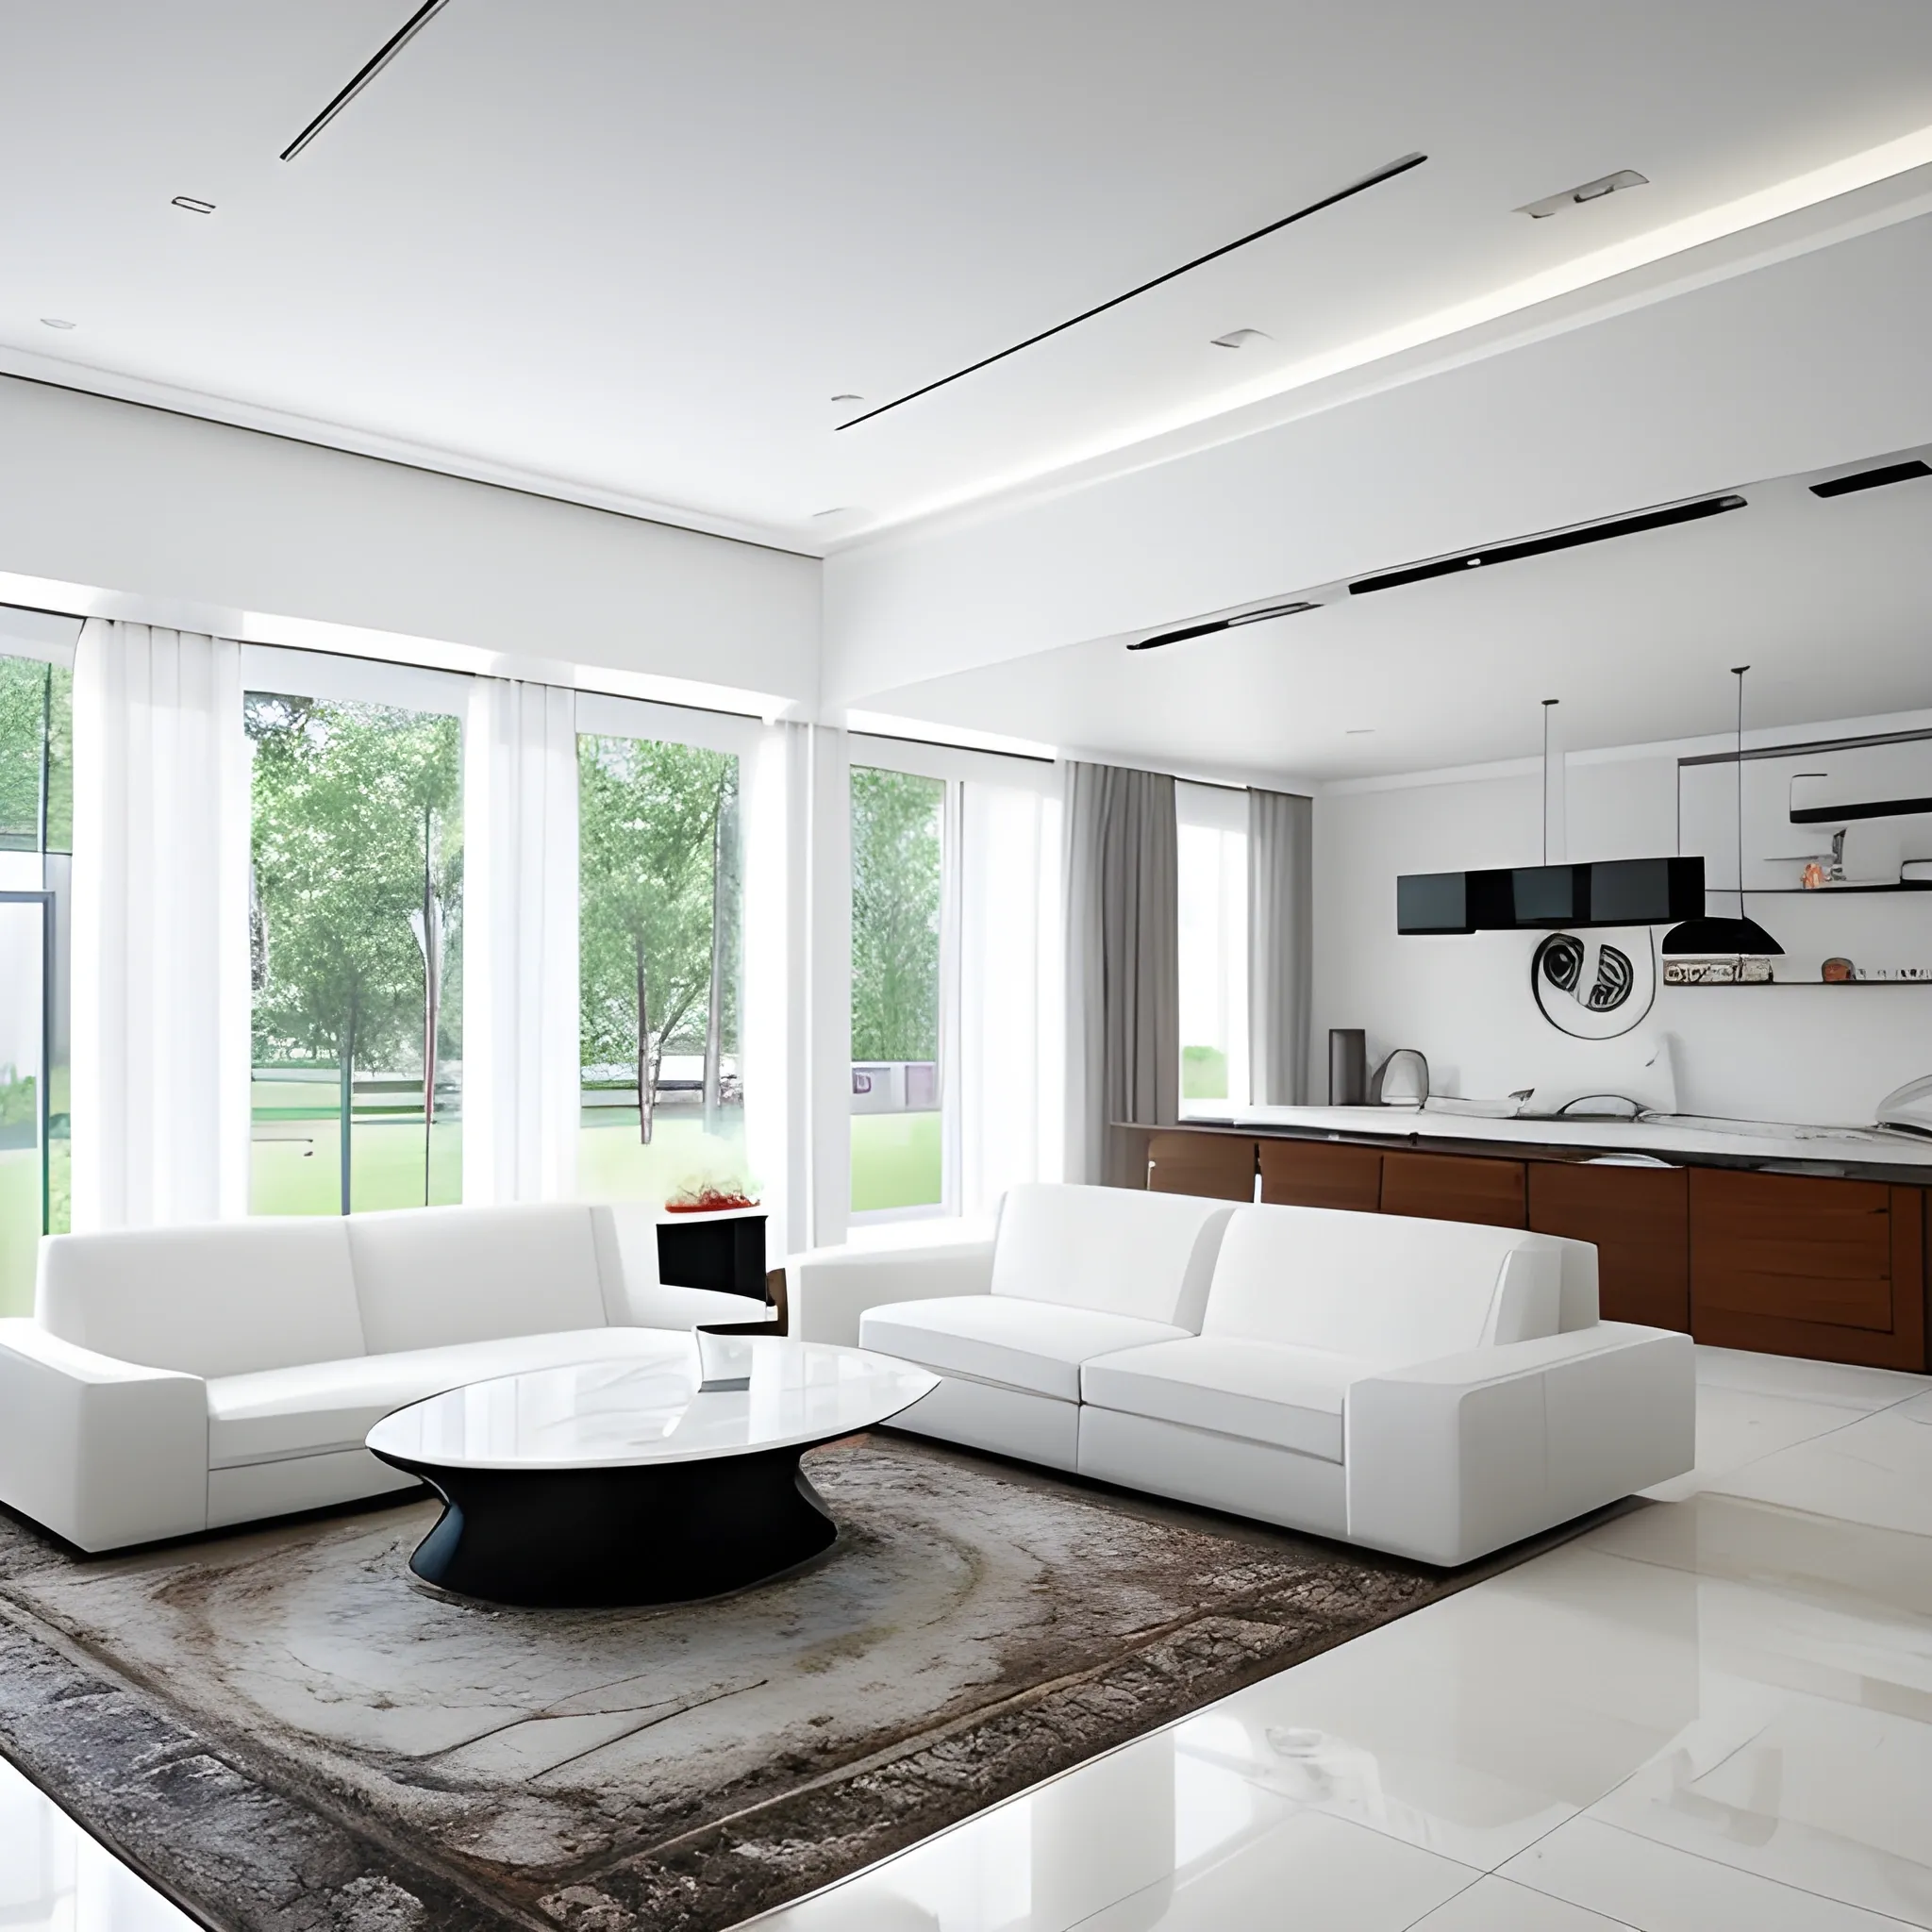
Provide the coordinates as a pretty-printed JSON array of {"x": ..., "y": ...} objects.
[{"x": 1671, "y": 1139}]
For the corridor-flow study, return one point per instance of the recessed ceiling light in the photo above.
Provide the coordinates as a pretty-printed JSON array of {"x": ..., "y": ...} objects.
[
  {"x": 847, "y": 396},
  {"x": 1587, "y": 192},
  {"x": 192, "y": 206},
  {"x": 838, "y": 509},
  {"x": 1241, "y": 339},
  {"x": 1359, "y": 731},
  {"x": 54, "y": 322}
]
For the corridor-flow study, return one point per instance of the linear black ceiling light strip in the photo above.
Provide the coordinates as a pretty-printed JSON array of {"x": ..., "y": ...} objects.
[
  {"x": 1217, "y": 623},
  {"x": 365, "y": 73},
  {"x": 1301, "y": 214},
  {"x": 1551, "y": 540},
  {"x": 1874, "y": 479}
]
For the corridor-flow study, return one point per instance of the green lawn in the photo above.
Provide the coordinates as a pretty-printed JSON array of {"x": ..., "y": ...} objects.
[
  {"x": 302, "y": 1174},
  {"x": 614, "y": 1165},
  {"x": 20, "y": 1228},
  {"x": 896, "y": 1160},
  {"x": 895, "y": 1163}
]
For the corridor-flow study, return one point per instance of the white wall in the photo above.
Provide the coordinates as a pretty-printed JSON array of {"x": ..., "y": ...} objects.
[
  {"x": 1816, "y": 1054},
  {"x": 207, "y": 526}
]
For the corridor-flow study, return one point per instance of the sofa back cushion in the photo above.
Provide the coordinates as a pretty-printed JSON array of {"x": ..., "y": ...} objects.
[
  {"x": 227, "y": 1299},
  {"x": 1385, "y": 1287},
  {"x": 1115, "y": 1249},
  {"x": 426, "y": 1277}
]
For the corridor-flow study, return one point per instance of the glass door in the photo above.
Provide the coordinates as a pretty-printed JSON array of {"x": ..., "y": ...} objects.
[{"x": 26, "y": 1026}]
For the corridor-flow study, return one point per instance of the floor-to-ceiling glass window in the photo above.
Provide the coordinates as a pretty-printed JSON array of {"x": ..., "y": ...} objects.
[
  {"x": 661, "y": 950},
  {"x": 36, "y": 844},
  {"x": 356, "y": 916},
  {"x": 898, "y": 900},
  {"x": 1212, "y": 857}
]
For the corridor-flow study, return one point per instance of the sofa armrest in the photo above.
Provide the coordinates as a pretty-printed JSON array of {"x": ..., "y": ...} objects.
[
  {"x": 103, "y": 1453},
  {"x": 1449, "y": 1460},
  {"x": 831, "y": 1288}
]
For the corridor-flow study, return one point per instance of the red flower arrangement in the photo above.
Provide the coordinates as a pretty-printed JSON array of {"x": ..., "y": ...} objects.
[{"x": 708, "y": 1200}]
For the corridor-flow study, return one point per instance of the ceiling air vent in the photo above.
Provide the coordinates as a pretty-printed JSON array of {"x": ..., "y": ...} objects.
[
  {"x": 1872, "y": 479},
  {"x": 1585, "y": 193}
]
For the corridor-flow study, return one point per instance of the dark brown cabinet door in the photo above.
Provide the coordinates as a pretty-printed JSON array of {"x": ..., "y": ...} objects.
[
  {"x": 1794, "y": 1265},
  {"x": 1454, "y": 1187},
  {"x": 1322, "y": 1173},
  {"x": 1639, "y": 1218},
  {"x": 1221, "y": 1166}
]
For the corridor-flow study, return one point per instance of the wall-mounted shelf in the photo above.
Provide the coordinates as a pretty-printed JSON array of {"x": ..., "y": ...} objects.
[
  {"x": 1823, "y": 891},
  {"x": 1761, "y": 985}
]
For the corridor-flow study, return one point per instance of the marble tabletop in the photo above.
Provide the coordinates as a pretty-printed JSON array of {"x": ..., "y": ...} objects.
[{"x": 632, "y": 1413}]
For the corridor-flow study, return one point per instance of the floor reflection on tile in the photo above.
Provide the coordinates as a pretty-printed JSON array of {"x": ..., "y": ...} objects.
[
  {"x": 1640, "y": 1882},
  {"x": 1713, "y": 1711}
]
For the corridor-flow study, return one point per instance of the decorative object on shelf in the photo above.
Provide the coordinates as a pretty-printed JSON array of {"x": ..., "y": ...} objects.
[
  {"x": 1591, "y": 989},
  {"x": 1726, "y": 941},
  {"x": 1401, "y": 1080},
  {"x": 706, "y": 1199},
  {"x": 1545, "y": 897},
  {"x": 1745, "y": 970},
  {"x": 1838, "y": 973},
  {"x": 1348, "y": 1066}
]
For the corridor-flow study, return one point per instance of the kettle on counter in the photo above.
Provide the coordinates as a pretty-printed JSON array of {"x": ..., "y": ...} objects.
[{"x": 1401, "y": 1080}]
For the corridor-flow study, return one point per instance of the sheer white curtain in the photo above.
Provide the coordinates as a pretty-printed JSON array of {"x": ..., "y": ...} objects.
[
  {"x": 521, "y": 1066},
  {"x": 775, "y": 820},
  {"x": 1011, "y": 993},
  {"x": 160, "y": 928}
]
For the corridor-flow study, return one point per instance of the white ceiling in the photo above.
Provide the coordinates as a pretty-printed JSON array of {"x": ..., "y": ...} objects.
[
  {"x": 633, "y": 250},
  {"x": 1829, "y": 600}
]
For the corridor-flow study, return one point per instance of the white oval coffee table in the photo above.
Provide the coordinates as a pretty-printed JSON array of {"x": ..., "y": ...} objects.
[{"x": 628, "y": 1483}]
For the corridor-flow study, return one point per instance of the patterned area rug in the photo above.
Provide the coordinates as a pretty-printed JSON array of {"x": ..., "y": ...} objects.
[{"x": 285, "y": 1730}]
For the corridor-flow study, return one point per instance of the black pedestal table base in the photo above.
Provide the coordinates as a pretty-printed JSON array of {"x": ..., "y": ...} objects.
[{"x": 655, "y": 1534}]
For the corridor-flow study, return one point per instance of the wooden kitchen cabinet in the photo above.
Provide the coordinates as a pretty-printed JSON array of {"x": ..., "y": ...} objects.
[
  {"x": 1639, "y": 1218},
  {"x": 1221, "y": 1166},
  {"x": 1794, "y": 1265},
  {"x": 1322, "y": 1173},
  {"x": 1455, "y": 1187}
]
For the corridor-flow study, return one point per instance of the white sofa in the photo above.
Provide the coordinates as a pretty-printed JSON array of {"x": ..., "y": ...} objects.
[
  {"x": 191, "y": 1378},
  {"x": 1433, "y": 1388}
]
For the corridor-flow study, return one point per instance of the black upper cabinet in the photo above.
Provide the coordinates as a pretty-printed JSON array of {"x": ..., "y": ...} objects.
[{"x": 1546, "y": 898}]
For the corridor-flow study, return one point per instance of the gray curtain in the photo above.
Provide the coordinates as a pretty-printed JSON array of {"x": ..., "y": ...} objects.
[
  {"x": 1122, "y": 963},
  {"x": 1281, "y": 863}
]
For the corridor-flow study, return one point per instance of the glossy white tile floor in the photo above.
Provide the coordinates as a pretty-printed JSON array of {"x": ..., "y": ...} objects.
[{"x": 1715, "y": 1712}]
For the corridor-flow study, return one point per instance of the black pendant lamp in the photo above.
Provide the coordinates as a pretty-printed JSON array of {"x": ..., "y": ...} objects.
[{"x": 1720, "y": 937}]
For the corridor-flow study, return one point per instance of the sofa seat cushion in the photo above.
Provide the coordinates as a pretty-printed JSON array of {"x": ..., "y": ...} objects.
[
  {"x": 1037, "y": 1346},
  {"x": 1260, "y": 1390},
  {"x": 323, "y": 1406}
]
